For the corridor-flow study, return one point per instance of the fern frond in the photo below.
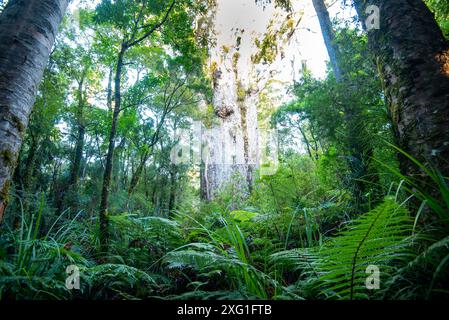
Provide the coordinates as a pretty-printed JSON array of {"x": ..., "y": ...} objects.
[
  {"x": 375, "y": 239},
  {"x": 423, "y": 275}
]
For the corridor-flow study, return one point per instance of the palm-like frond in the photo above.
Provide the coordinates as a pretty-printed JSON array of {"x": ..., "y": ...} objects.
[{"x": 340, "y": 265}]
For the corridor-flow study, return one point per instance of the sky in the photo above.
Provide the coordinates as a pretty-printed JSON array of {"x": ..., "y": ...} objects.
[
  {"x": 254, "y": 19},
  {"x": 307, "y": 44}
]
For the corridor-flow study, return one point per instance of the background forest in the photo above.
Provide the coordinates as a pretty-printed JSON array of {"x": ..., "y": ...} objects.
[{"x": 357, "y": 208}]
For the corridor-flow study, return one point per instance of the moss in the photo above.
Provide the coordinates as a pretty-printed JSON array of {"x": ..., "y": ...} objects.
[
  {"x": 241, "y": 92},
  {"x": 8, "y": 157},
  {"x": 209, "y": 116},
  {"x": 241, "y": 96},
  {"x": 20, "y": 126},
  {"x": 235, "y": 61},
  {"x": 215, "y": 74},
  {"x": 5, "y": 192},
  {"x": 213, "y": 68}
]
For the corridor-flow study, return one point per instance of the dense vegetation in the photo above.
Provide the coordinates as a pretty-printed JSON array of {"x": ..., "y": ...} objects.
[{"x": 95, "y": 185}]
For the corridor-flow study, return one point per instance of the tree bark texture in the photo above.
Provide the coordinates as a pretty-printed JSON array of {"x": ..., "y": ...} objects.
[
  {"x": 413, "y": 56},
  {"x": 28, "y": 30},
  {"x": 104, "y": 221},
  {"x": 232, "y": 143}
]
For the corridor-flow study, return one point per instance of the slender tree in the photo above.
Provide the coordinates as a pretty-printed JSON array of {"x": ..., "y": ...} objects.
[
  {"x": 359, "y": 150},
  {"x": 28, "y": 30},
  {"x": 328, "y": 36},
  {"x": 137, "y": 32}
]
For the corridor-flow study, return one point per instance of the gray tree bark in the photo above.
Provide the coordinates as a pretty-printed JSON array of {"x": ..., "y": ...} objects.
[
  {"x": 328, "y": 36},
  {"x": 28, "y": 30},
  {"x": 413, "y": 57},
  {"x": 232, "y": 153}
]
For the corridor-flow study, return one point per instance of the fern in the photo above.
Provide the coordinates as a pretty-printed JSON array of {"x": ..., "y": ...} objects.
[
  {"x": 425, "y": 276},
  {"x": 227, "y": 252},
  {"x": 111, "y": 281},
  {"x": 377, "y": 238}
]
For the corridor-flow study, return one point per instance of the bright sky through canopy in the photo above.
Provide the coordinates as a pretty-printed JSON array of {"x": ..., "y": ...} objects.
[{"x": 307, "y": 44}]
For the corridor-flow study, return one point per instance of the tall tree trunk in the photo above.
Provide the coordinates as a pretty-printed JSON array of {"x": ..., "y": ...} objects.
[
  {"x": 104, "y": 222},
  {"x": 413, "y": 56},
  {"x": 172, "y": 197},
  {"x": 232, "y": 154},
  {"x": 109, "y": 90},
  {"x": 328, "y": 36},
  {"x": 79, "y": 147},
  {"x": 358, "y": 146},
  {"x": 28, "y": 30},
  {"x": 137, "y": 174}
]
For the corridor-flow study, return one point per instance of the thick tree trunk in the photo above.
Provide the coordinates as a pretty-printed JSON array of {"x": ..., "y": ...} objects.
[
  {"x": 104, "y": 222},
  {"x": 232, "y": 153},
  {"x": 414, "y": 60},
  {"x": 27, "y": 33}
]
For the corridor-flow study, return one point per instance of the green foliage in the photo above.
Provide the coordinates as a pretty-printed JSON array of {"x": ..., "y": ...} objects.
[
  {"x": 35, "y": 267},
  {"x": 242, "y": 216},
  {"x": 300, "y": 233},
  {"x": 441, "y": 10},
  {"x": 378, "y": 238},
  {"x": 425, "y": 277},
  {"x": 227, "y": 254},
  {"x": 438, "y": 199},
  {"x": 116, "y": 281}
]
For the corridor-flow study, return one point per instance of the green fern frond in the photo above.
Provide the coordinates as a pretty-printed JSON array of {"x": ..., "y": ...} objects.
[
  {"x": 423, "y": 276},
  {"x": 339, "y": 267},
  {"x": 108, "y": 281},
  {"x": 375, "y": 239},
  {"x": 198, "y": 260}
]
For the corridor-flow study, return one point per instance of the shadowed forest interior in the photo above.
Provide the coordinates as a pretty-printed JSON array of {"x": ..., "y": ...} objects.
[{"x": 224, "y": 149}]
